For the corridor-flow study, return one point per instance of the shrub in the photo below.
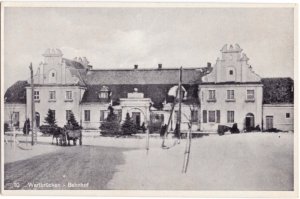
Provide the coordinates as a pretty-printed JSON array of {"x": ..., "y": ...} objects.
[
  {"x": 111, "y": 125},
  {"x": 74, "y": 122},
  {"x": 50, "y": 119},
  {"x": 128, "y": 126}
]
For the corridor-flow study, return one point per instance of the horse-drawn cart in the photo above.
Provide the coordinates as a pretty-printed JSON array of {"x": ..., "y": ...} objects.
[
  {"x": 72, "y": 134},
  {"x": 63, "y": 135}
]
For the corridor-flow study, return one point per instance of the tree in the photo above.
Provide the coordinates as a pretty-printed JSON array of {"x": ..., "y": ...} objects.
[
  {"x": 128, "y": 126},
  {"x": 73, "y": 121},
  {"x": 50, "y": 119},
  {"x": 111, "y": 125}
]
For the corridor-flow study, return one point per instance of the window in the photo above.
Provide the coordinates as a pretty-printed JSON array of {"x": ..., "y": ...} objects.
[
  {"x": 68, "y": 114},
  {"x": 250, "y": 94},
  {"x": 194, "y": 115},
  {"x": 104, "y": 91},
  {"x": 103, "y": 94},
  {"x": 53, "y": 112},
  {"x": 68, "y": 94},
  {"x": 230, "y": 116},
  {"x": 204, "y": 115},
  {"x": 86, "y": 115},
  {"x": 231, "y": 72},
  {"x": 52, "y": 95},
  {"x": 36, "y": 95},
  {"x": 287, "y": 115},
  {"x": 230, "y": 94},
  {"x": 101, "y": 115},
  {"x": 211, "y": 116},
  {"x": 211, "y": 94}
]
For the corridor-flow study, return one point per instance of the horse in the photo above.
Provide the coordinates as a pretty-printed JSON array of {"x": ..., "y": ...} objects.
[{"x": 58, "y": 133}]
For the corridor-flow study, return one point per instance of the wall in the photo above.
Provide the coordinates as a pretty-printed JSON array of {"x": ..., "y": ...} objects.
[
  {"x": 185, "y": 117},
  {"x": 94, "y": 109},
  {"x": 60, "y": 105},
  {"x": 278, "y": 111},
  {"x": 8, "y": 112},
  {"x": 239, "y": 106}
]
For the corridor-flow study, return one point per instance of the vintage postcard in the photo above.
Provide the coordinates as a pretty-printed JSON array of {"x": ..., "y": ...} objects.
[{"x": 149, "y": 99}]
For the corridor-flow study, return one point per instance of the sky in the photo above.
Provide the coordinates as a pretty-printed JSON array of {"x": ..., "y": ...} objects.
[{"x": 124, "y": 37}]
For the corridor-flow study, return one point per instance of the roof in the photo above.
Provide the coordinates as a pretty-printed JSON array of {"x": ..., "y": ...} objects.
[
  {"x": 156, "y": 92},
  {"x": 73, "y": 64},
  {"x": 142, "y": 76},
  {"x": 278, "y": 90},
  {"x": 16, "y": 93}
]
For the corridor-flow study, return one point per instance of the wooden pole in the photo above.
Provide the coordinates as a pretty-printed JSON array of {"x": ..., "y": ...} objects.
[
  {"x": 179, "y": 110},
  {"x": 170, "y": 118},
  {"x": 14, "y": 136},
  {"x": 187, "y": 150},
  {"x": 147, "y": 134},
  {"x": 33, "y": 133}
]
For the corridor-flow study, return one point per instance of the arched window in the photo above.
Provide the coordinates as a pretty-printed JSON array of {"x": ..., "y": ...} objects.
[{"x": 52, "y": 76}]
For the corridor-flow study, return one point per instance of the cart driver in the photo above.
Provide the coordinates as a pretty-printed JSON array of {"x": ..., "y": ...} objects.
[{"x": 69, "y": 125}]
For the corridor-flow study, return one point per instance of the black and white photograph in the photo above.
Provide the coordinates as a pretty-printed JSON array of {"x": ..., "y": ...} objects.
[{"x": 149, "y": 99}]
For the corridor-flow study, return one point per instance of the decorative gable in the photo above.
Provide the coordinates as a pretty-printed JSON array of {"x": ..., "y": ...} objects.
[{"x": 233, "y": 67}]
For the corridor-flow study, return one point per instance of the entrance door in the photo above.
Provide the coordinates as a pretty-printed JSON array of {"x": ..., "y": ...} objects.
[
  {"x": 249, "y": 121},
  {"x": 269, "y": 122},
  {"x": 37, "y": 119},
  {"x": 136, "y": 116}
]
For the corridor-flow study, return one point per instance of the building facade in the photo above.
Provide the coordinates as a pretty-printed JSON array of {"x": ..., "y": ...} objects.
[
  {"x": 227, "y": 93},
  {"x": 231, "y": 93}
]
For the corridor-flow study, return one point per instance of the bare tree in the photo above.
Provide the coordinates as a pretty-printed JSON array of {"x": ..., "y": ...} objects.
[{"x": 194, "y": 105}]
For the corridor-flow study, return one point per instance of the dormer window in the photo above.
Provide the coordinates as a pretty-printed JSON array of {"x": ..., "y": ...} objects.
[
  {"x": 103, "y": 95},
  {"x": 104, "y": 92}
]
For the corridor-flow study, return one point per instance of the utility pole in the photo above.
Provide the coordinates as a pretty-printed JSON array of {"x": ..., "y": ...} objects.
[
  {"x": 33, "y": 133},
  {"x": 170, "y": 119},
  {"x": 179, "y": 111}
]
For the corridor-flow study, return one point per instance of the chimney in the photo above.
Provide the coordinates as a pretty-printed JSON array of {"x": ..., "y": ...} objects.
[
  {"x": 159, "y": 66},
  {"x": 136, "y": 67},
  {"x": 208, "y": 64}
]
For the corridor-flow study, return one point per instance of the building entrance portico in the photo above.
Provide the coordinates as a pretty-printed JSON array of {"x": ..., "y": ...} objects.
[{"x": 137, "y": 106}]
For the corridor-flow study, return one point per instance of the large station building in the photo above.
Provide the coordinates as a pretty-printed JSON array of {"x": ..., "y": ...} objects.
[{"x": 226, "y": 93}]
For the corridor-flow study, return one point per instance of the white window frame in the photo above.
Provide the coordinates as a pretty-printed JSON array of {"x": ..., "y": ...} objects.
[
  {"x": 211, "y": 94},
  {"x": 69, "y": 97},
  {"x": 36, "y": 95},
  {"x": 230, "y": 116},
  {"x": 87, "y": 119},
  {"x": 253, "y": 95},
  {"x": 68, "y": 114},
  {"x": 230, "y": 94},
  {"x": 103, "y": 95},
  {"x": 54, "y": 95},
  {"x": 215, "y": 116}
]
